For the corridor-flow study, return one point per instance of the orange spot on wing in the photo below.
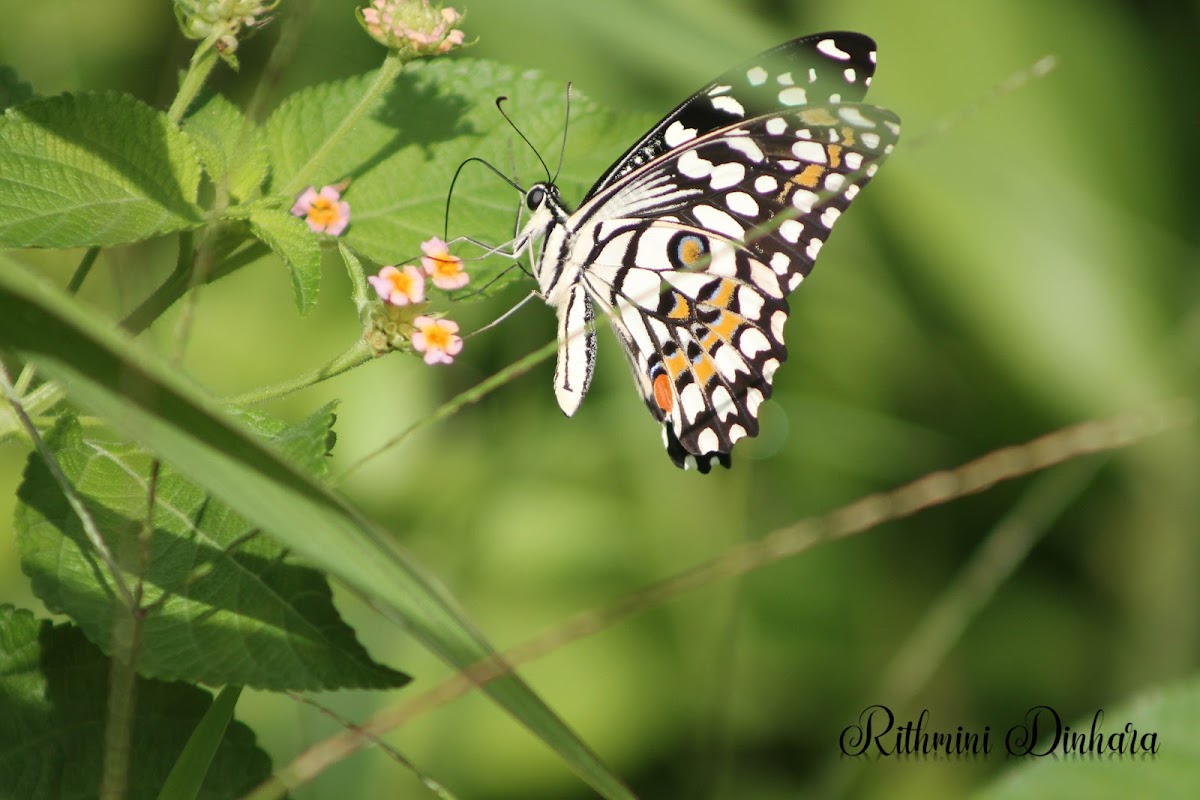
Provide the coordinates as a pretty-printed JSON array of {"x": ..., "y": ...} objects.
[
  {"x": 726, "y": 325},
  {"x": 835, "y": 155},
  {"x": 724, "y": 295},
  {"x": 848, "y": 136},
  {"x": 682, "y": 309},
  {"x": 663, "y": 394},
  {"x": 817, "y": 116},
  {"x": 675, "y": 365},
  {"x": 810, "y": 176},
  {"x": 704, "y": 369}
]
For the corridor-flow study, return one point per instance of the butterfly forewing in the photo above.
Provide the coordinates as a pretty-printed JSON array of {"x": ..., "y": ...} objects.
[{"x": 823, "y": 68}]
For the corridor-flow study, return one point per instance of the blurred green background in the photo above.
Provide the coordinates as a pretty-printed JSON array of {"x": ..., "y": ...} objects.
[{"x": 1030, "y": 264}]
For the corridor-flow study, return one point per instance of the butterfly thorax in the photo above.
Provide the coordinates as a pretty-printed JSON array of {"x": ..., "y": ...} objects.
[{"x": 548, "y": 224}]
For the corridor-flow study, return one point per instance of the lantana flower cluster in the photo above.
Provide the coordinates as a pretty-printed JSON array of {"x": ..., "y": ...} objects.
[
  {"x": 224, "y": 19},
  {"x": 412, "y": 27},
  {"x": 404, "y": 288}
]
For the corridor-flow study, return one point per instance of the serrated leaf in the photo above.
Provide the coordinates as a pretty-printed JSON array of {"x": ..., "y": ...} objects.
[
  {"x": 13, "y": 90},
  {"x": 53, "y": 693},
  {"x": 439, "y": 113},
  {"x": 299, "y": 248},
  {"x": 1173, "y": 772},
  {"x": 231, "y": 148},
  {"x": 91, "y": 170},
  {"x": 227, "y": 606},
  {"x": 106, "y": 372}
]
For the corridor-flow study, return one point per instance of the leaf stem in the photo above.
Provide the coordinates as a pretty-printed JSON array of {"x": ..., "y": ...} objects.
[{"x": 384, "y": 78}]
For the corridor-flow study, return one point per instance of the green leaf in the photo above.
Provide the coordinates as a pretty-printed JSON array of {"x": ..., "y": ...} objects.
[
  {"x": 13, "y": 90},
  {"x": 231, "y": 148},
  {"x": 227, "y": 607},
  {"x": 1173, "y": 772},
  {"x": 104, "y": 371},
  {"x": 93, "y": 169},
  {"x": 299, "y": 248},
  {"x": 53, "y": 692},
  {"x": 439, "y": 113},
  {"x": 190, "y": 770}
]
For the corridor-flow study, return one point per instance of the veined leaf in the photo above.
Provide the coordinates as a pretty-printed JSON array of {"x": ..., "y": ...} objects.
[
  {"x": 227, "y": 606},
  {"x": 93, "y": 169}
]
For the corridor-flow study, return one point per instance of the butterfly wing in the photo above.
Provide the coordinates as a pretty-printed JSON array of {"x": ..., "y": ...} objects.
[
  {"x": 819, "y": 69},
  {"x": 695, "y": 252}
]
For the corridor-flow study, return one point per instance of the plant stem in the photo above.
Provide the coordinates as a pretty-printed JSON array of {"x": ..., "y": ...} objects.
[
  {"x": 384, "y": 78},
  {"x": 201, "y": 65},
  {"x": 358, "y": 353}
]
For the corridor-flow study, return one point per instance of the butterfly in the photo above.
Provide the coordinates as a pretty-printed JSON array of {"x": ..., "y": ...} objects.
[{"x": 691, "y": 241}]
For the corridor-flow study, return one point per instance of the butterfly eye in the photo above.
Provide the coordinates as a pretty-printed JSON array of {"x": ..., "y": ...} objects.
[{"x": 534, "y": 197}]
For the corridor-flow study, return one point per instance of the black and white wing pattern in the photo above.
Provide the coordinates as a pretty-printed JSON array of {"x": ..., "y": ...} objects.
[{"x": 692, "y": 240}]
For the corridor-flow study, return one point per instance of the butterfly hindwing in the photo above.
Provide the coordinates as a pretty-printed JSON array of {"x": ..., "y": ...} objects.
[{"x": 718, "y": 232}]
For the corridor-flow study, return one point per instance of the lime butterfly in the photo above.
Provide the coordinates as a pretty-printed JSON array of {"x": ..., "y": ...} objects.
[{"x": 692, "y": 240}]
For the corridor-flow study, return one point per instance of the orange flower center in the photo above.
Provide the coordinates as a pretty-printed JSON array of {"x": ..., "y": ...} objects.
[
  {"x": 437, "y": 337},
  {"x": 446, "y": 266},
  {"x": 323, "y": 212},
  {"x": 401, "y": 282}
]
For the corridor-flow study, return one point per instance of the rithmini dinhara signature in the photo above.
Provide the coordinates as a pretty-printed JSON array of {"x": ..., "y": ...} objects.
[{"x": 1041, "y": 733}]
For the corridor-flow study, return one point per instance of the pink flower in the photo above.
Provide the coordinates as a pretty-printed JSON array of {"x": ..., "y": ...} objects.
[
  {"x": 445, "y": 270},
  {"x": 412, "y": 27},
  {"x": 438, "y": 339},
  {"x": 399, "y": 288},
  {"x": 324, "y": 211}
]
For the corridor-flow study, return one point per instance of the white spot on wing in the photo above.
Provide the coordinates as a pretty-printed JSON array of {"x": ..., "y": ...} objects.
[
  {"x": 850, "y": 74},
  {"x": 814, "y": 248},
  {"x": 736, "y": 432},
  {"x": 794, "y": 281},
  {"x": 716, "y": 90},
  {"x": 742, "y": 203},
  {"x": 746, "y": 146},
  {"x": 812, "y": 152},
  {"x": 780, "y": 263},
  {"x": 853, "y": 161},
  {"x": 855, "y": 117},
  {"x": 776, "y": 126},
  {"x": 793, "y": 96},
  {"x": 852, "y": 191},
  {"x": 804, "y": 200},
  {"x": 829, "y": 47},
  {"x": 765, "y": 184},
  {"x": 676, "y": 134},
  {"x": 757, "y": 76},
  {"x": 777, "y": 321},
  {"x": 731, "y": 173},
  {"x": 723, "y": 403},
  {"x": 830, "y": 216},
  {"x": 693, "y": 166},
  {"x": 870, "y": 140},
  {"x": 691, "y": 401},
  {"x": 716, "y": 220},
  {"x": 786, "y": 79},
  {"x": 750, "y": 302},
  {"x": 834, "y": 181},
  {"x": 791, "y": 230},
  {"x": 707, "y": 441},
  {"x": 752, "y": 342},
  {"x": 728, "y": 104}
]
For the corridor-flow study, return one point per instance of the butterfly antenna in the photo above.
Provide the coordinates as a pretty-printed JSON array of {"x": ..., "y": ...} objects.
[
  {"x": 454, "y": 180},
  {"x": 503, "y": 113},
  {"x": 562, "y": 150}
]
